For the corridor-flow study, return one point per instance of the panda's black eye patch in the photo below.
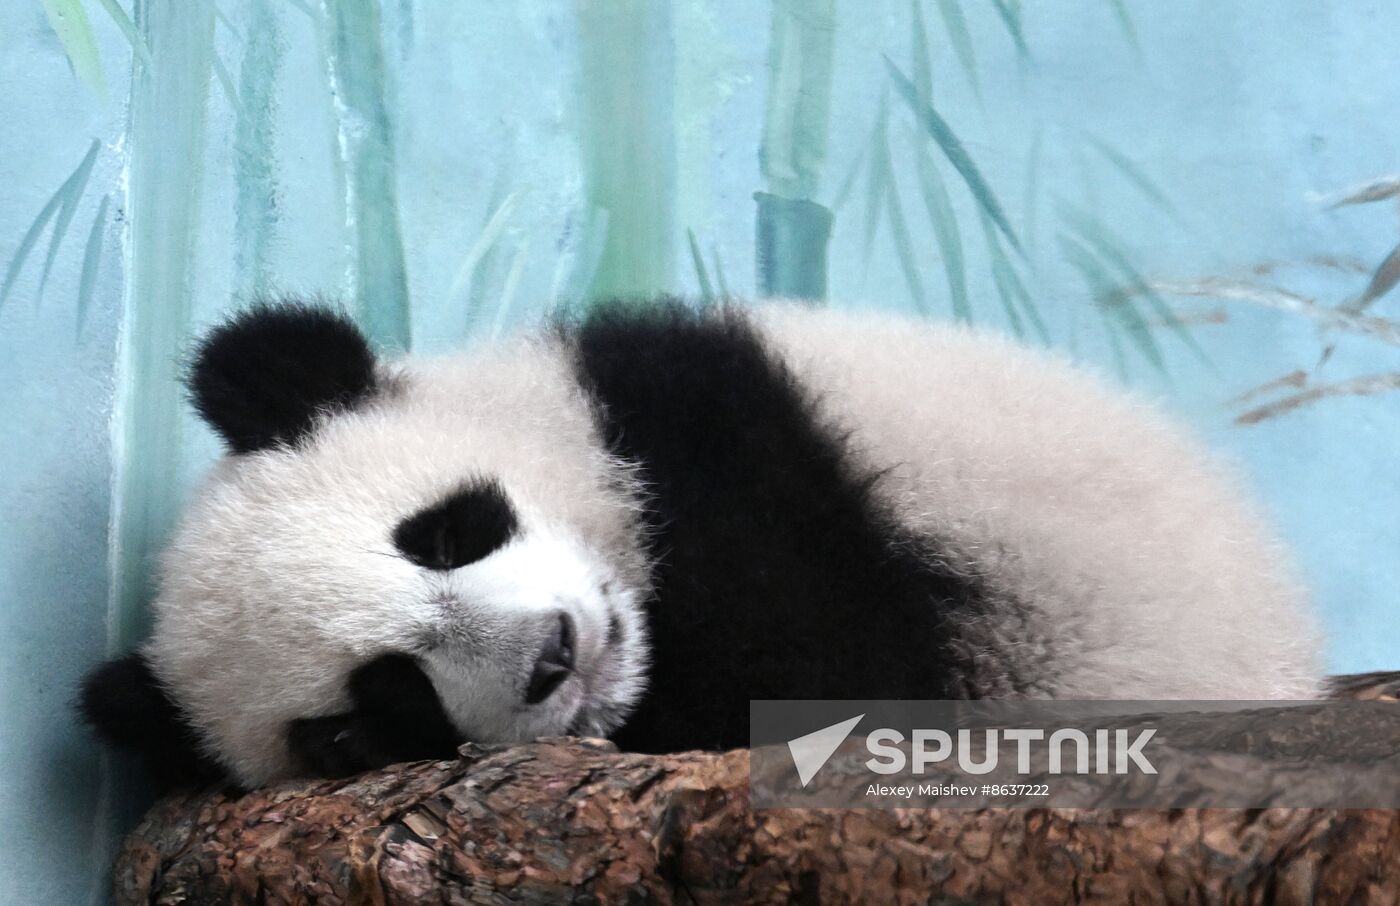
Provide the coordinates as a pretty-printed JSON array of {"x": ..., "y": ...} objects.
[{"x": 462, "y": 528}]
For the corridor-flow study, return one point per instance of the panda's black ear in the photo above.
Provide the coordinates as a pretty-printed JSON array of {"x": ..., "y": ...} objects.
[
  {"x": 262, "y": 378},
  {"x": 124, "y": 702}
]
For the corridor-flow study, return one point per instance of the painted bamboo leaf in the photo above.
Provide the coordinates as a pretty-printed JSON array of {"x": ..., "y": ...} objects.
[
  {"x": 1031, "y": 218},
  {"x": 1383, "y": 330},
  {"x": 1029, "y": 306},
  {"x": 1296, "y": 380},
  {"x": 1010, "y": 14},
  {"x": 1115, "y": 346},
  {"x": 956, "y": 25},
  {"x": 70, "y": 22},
  {"x": 27, "y": 243},
  {"x": 41, "y": 220},
  {"x": 1382, "y": 281},
  {"x": 1367, "y": 385},
  {"x": 92, "y": 262},
  {"x": 935, "y": 194},
  {"x": 1380, "y": 190},
  {"x": 627, "y": 137},
  {"x": 878, "y": 178},
  {"x": 355, "y": 62},
  {"x": 848, "y": 183},
  {"x": 505, "y": 305},
  {"x": 222, "y": 18},
  {"x": 255, "y": 211},
  {"x": 899, "y": 230},
  {"x": 723, "y": 284},
  {"x": 72, "y": 191},
  {"x": 225, "y": 79},
  {"x": 493, "y": 265},
  {"x": 707, "y": 291},
  {"x": 1126, "y": 24},
  {"x": 1134, "y": 174},
  {"x": 953, "y": 149},
  {"x": 1008, "y": 304},
  {"x": 1015, "y": 297},
  {"x": 904, "y": 249},
  {"x": 1113, "y": 303},
  {"x": 461, "y": 290},
  {"x": 572, "y": 284},
  {"x": 921, "y": 63},
  {"x": 128, "y": 30},
  {"x": 1097, "y": 236},
  {"x": 945, "y": 229},
  {"x": 565, "y": 260}
]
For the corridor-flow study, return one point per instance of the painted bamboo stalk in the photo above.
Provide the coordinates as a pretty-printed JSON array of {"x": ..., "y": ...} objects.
[
  {"x": 379, "y": 275},
  {"x": 254, "y": 151},
  {"x": 792, "y": 229},
  {"x": 627, "y": 141},
  {"x": 164, "y": 173},
  {"x": 165, "y": 142}
]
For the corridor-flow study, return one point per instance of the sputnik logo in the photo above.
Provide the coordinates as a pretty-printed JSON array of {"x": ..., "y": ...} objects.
[{"x": 812, "y": 751}]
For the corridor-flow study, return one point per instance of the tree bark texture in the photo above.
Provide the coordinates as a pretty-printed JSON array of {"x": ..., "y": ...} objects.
[{"x": 564, "y": 821}]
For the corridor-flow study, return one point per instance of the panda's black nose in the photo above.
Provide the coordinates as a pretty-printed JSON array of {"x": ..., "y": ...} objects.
[{"x": 555, "y": 663}]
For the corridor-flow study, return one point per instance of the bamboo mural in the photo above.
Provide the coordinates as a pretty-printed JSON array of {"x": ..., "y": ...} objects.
[
  {"x": 451, "y": 171},
  {"x": 624, "y": 236},
  {"x": 624, "y": 232}
]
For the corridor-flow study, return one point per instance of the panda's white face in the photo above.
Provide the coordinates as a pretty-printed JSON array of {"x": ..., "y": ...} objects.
[
  {"x": 464, "y": 516},
  {"x": 536, "y": 639}
]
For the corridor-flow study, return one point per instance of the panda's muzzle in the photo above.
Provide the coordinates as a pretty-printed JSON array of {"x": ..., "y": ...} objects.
[{"x": 555, "y": 663}]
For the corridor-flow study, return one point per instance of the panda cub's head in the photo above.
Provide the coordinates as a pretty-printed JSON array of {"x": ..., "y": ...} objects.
[{"x": 392, "y": 558}]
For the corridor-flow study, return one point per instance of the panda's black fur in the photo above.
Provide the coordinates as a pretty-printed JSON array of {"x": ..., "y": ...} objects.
[{"x": 778, "y": 573}]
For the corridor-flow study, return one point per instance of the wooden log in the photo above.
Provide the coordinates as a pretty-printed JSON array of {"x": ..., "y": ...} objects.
[{"x": 568, "y": 820}]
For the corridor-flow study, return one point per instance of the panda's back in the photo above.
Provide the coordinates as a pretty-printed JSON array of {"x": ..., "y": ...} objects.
[{"x": 1124, "y": 562}]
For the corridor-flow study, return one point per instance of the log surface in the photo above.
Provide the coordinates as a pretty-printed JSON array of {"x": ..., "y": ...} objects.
[{"x": 563, "y": 821}]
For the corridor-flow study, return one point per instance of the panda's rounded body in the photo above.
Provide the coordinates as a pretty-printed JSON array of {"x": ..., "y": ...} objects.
[{"x": 634, "y": 524}]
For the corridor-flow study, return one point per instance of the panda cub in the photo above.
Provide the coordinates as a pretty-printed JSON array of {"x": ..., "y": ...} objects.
[{"x": 633, "y": 523}]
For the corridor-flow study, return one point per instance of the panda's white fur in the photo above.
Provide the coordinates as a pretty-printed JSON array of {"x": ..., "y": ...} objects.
[
  {"x": 1150, "y": 573},
  {"x": 1118, "y": 559}
]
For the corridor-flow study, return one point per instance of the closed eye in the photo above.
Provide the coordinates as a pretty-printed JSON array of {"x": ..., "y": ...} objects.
[{"x": 462, "y": 528}]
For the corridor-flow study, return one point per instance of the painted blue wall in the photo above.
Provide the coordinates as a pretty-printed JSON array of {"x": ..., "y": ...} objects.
[
  {"x": 1189, "y": 142},
  {"x": 55, "y": 466}
]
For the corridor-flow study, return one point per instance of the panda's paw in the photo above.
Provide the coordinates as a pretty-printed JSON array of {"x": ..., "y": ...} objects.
[
  {"x": 396, "y": 717},
  {"x": 334, "y": 746}
]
